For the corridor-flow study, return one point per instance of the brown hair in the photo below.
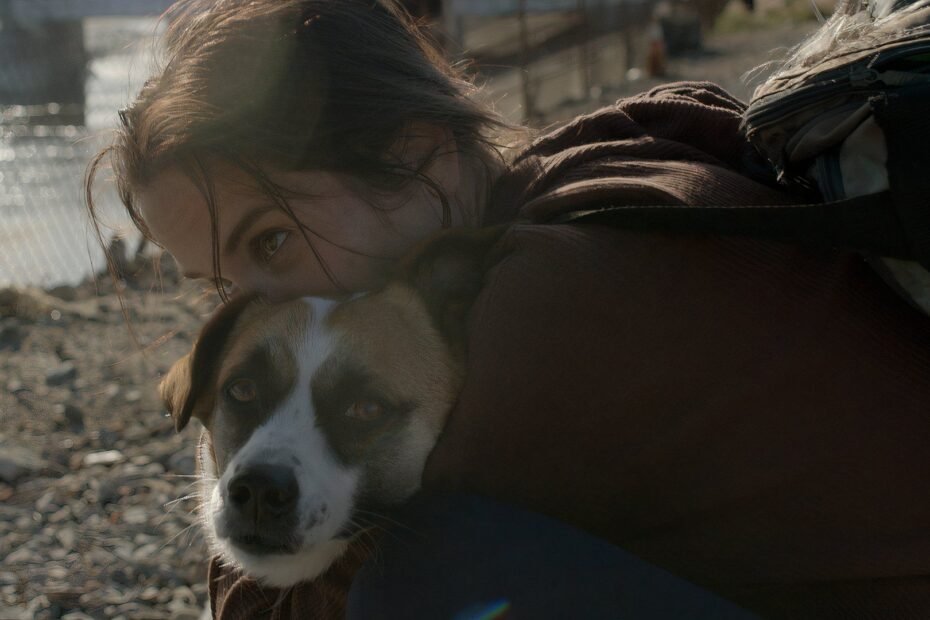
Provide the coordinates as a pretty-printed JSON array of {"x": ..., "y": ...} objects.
[{"x": 291, "y": 85}]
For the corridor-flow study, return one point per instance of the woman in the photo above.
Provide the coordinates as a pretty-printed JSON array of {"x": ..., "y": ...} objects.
[{"x": 747, "y": 415}]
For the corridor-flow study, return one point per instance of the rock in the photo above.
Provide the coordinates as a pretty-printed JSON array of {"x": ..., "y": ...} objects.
[
  {"x": 60, "y": 515},
  {"x": 185, "y": 596},
  {"x": 11, "y": 337},
  {"x": 76, "y": 615},
  {"x": 46, "y": 503},
  {"x": 66, "y": 536},
  {"x": 23, "y": 555},
  {"x": 68, "y": 417},
  {"x": 108, "y": 492},
  {"x": 64, "y": 597},
  {"x": 15, "y": 613},
  {"x": 181, "y": 462},
  {"x": 65, "y": 293},
  {"x": 61, "y": 374},
  {"x": 107, "y": 457},
  {"x": 145, "y": 552},
  {"x": 57, "y": 458},
  {"x": 110, "y": 391},
  {"x": 107, "y": 438},
  {"x": 9, "y": 301},
  {"x": 62, "y": 352},
  {"x": 30, "y": 304},
  {"x": 18, "y": 461},
  {"x": 136, "y": 515}
]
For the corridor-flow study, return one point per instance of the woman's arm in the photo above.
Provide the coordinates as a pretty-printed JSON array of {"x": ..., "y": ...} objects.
[{"x": 744, "y": 414}]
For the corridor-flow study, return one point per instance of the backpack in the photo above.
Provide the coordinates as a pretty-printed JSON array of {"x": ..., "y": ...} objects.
[{"x": 848, "y": 115}]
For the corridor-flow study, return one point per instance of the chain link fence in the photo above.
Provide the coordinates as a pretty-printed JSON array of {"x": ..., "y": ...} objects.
[{"x": 45, "y": 236}]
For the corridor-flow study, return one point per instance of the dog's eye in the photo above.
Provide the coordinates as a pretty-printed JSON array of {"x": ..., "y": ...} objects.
[
  {"x": 242, "y": 390},
  {"x": 365, "y": 410}
]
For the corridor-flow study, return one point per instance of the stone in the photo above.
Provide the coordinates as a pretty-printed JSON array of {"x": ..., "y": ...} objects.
[
  {"x": 185, "y": 595},
  {"x": 108, "y": 492},
  {"x": 61, "y": 374},
  {"x": 9, "y": 301},
  {"x": 135, "y": 515},
  {"x": 46, "y": 503},
  {"x": 181, "y": 462},
  {"x": 17, "y": 461},
  {"x": 23, "y": 555},
  {"x": 69, "y": 417},
  {"x": 64, "y": 597},
  {"x": 107, "y": 438},
  {"x": 106, "y": 457},
  {"x": 60, "y": 515},
  {"x": 66, "y": 536},
  {"x": 187, "y": 613},
  {"x": 11, "y": 337},
  {"x": 110, "y": 391},
  {"x": 145, "y": 552},
  {"x": 65, "y": 293},
  {"x": 15, "y": 613}
]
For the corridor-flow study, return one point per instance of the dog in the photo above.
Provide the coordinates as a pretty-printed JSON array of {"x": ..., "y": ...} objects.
[{"x": 313, "y": 411}]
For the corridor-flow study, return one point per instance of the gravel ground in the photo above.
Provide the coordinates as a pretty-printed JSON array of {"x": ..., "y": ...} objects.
[
  {"x": 95, "y": 515},
  {"x": 91, "y": 471}
]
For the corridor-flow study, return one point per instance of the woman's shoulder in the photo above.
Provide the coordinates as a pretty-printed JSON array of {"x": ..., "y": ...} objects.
[{"x": 679, "y": 144}]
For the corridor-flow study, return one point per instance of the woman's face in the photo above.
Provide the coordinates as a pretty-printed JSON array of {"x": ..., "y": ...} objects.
[{"x": 262, "y": 250}]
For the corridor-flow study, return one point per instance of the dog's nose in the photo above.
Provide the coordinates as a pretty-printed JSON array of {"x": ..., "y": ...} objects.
[{"x": 264, "y": 492}]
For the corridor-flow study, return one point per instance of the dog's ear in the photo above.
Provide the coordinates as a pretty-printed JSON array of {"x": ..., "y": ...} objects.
[
  {"x": 186, "y": 389},
  {"x": 448, "y": 272},
  {"x": 174, "y": 389}
]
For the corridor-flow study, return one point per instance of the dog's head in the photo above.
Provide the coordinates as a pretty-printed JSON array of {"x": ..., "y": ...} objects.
[{"x": 314, "y": 410}]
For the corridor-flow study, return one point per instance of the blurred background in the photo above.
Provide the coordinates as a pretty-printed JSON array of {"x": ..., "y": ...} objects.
[
  {"x": 96, "y": 505},
  {"x": 66, "y": 67}
]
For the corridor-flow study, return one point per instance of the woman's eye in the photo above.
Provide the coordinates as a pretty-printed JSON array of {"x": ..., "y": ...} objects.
[
  {"x": 242, "y": 390},
  {"x": 365, "y": 410},
  {"x": 270, "y": 243}
]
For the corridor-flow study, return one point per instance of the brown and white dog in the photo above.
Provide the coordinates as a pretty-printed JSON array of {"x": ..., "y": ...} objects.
[{"x": 313, "y": 409}]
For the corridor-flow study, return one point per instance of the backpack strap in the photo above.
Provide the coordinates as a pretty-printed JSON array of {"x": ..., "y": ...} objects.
[
  {"x": 864, "y": 223},
  {"x": 904, "y": 117}
]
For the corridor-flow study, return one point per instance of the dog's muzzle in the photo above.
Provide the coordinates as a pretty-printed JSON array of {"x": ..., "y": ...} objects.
[{"x": 260, "y": 515}]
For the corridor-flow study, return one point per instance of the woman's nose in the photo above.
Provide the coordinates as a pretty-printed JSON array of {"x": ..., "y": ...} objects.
[
  {"x": 250, "y": 283},
  {"x": 237, "y": 281}
]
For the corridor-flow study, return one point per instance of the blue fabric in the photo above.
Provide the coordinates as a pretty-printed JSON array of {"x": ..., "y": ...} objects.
[{"x": 470, "y": 558}]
